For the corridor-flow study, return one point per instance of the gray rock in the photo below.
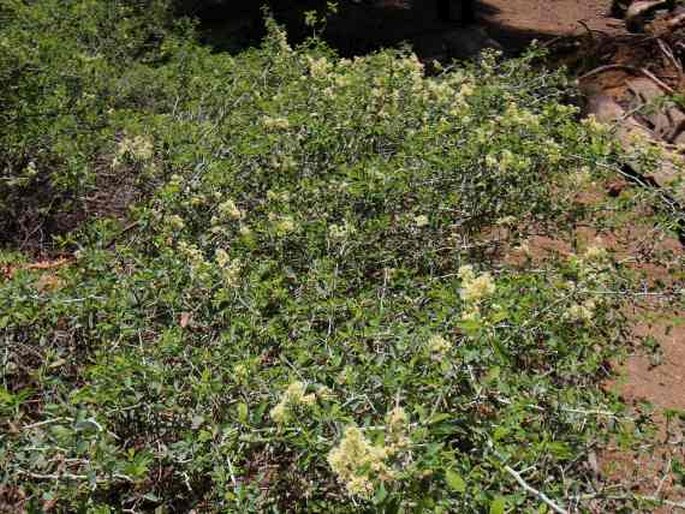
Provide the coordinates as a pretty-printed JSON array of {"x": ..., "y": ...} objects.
[{"x": 640, "y": 12}]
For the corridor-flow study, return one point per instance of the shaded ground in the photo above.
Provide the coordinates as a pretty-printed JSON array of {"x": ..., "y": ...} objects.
[
  {"x": 360, "y": 27},
  {"x": 356, "y": 28}
]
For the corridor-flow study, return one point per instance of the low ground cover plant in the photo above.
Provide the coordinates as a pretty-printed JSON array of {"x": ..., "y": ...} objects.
[{"x": 300, "y": 311}]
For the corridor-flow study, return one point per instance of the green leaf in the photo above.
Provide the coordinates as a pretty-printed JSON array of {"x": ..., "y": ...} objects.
[
  {"x": 242, "y": 412},
  {"x": 498, "y": 505},
  {"x": 454, "y": 481},
  {"x": 381, "y": 494}
]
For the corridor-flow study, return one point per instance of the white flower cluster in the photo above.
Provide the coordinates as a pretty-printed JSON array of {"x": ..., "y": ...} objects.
[
  {"x": 437, "y": 346},
  {"x": 293, "y": 396},
  {"x": 138, "y": 148},
  {"x": 319, "y": 67},
  {"x": 421, "y": 220},
  {"x": 340, "y": 232},
  {"x": 583, "y": 312},
  {"x": 592, "y": 271},
  {"x": 475, "y": 288},
  {"x": 514, "y": 116},
  {"x": 506, "y": 160},
  {"x": 359, "y": 464},
  {"x": 275, "y": 124},
  {"x": 228, "y": 210},
  {"x": 174, "y": 222},
  {"x": 282, "y": 225},
  {"x": 230, "y": 268}
]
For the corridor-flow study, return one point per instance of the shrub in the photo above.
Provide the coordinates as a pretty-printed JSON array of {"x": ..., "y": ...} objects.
[
  {"x": 64, "y": 69},
  {"x": 298, "y": 317}
]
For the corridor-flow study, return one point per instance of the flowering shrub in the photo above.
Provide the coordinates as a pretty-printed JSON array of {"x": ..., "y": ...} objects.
[
  {"x": 358, "y": 464},
  {"x": 287, "y": 321}
]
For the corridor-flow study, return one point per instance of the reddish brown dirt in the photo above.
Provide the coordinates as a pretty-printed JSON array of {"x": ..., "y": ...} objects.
[
  {"x": 514, "y": 23},
  {"x": 552, "y": 17},
  {"x": 652, "y": 379},
  {"x": 654, "y": 374},
  {"x": 659, "y": 387}
]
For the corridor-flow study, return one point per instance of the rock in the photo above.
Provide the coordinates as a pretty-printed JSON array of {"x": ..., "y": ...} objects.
[
  {"x": 639, "y": 13},
  {"x": 668, "y": 121},
  {"x": 676, "y": 19},
  {"x": 629, "y": 131},
  {"x": 619, "y": 8}
]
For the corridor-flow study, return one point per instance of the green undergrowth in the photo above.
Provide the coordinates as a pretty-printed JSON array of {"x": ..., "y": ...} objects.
[{"x": 302, "y": 312}]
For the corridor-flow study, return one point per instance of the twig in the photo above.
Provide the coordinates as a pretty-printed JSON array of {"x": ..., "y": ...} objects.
[
  {"x": 122, "y": 232},
  {"x": 664, "y": 478},
  {"x": 645, "y": 182},
  {"x": 542, "y": 496},
  {"x": 670, "y": 57},
  {"x": 588, "y": 29},
  {"x": 9, "y": 271},
  {"x": 231, "y": 472},
  {"x": 45, "y": 422},
  {"x": 657, "y": 81},
  {"x": 69, "y": 476},
  {"x": 607, "y": 67},
  {"x": 652, "y": 499},
  {"x": 670, "y": 503},
  {"x": 626, "y": 67},
  {"x": 626, "y": 292}
]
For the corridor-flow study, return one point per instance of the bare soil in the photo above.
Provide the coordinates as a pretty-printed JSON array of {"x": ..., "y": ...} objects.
[{"x": 517, "y": 22}]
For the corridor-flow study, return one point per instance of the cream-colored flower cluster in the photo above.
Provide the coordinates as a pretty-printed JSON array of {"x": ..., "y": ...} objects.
[
  {"x": 582, "y": 311},
  {"x": 282, "y": 225},
  {"x": 596, "y": 253},
  {"x": 396, "y": 430},
  {"x": 514, "y": 115},
  {"x": 192, "y": 253},
  {"x": 357, "y": 463},
  {"x": 275, "y": 124},
  {"x": 475, "y": 287},
  {"x": 580, "y": 178},
  {"x": 421, "y": 220},
  {"x": 277, "y": 196},
  {"x": 340, "y": 231},
  {"x": 293, "y": 396},
  {"x": 465, "y": 90},
  {"x": 593, "y": 272},
  {"x": 319, "y": 67},
  {"x": 506, "y": 160},
  {"x": 139, "y": 148},
  {"x": 174, "y": 222},
  {"x": 280, "y": 37},
  {"x": 282, "y": 162},
  {"x": 200, "y": 269},
  {"x": 229, "y": 210},
  {"x": 230, "y": 268},
  {"x": 593, "y": 265},
  {"x": 360, "y": 465},
  {"x": 437, "y": 346},
  {"x": 440, "y": 91},
  {"x": 241, "y": 373},
  {"x": 593, "y": 125}
]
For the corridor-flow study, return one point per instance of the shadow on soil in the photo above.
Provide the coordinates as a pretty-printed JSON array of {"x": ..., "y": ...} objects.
[{"x": 360, "y": 28}]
